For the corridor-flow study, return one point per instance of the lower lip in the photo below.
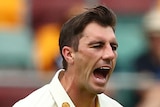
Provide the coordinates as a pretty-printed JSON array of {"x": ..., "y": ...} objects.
[{"x": 100, "y": 81}]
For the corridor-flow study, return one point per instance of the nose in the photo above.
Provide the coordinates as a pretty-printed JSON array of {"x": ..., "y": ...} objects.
[{"x": 108, "y": 53}]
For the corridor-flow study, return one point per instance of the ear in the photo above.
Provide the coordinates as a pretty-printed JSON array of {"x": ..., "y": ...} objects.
[{"x": 67, "y": 52}]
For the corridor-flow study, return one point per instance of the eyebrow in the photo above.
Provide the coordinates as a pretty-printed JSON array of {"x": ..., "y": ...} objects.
[{"x": 114, "y": 42}]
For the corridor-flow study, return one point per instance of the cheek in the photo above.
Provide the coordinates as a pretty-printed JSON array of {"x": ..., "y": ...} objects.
[
  {"x": 87, "y": 54},
  {"x": 114, "y": 63},
  {"x": 84, "y": 59},
  {"x": 115, "y": 60},
  {"x": 85, "y": 62},
  {"x": 116, "y": 56}
]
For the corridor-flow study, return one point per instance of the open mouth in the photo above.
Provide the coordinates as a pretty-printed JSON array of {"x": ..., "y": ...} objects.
[{"x": 101, "y": 72}]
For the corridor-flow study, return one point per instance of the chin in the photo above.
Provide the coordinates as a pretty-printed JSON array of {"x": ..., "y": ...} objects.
[{"x": 99, "y": 91}]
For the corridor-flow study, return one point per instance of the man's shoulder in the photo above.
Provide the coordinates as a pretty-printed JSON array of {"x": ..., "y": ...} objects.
[
  {"x": 108, "y": 101},
  {"x": 36, "y": 98}
]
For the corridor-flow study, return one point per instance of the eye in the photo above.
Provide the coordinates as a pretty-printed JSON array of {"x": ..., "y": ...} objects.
[
  {"x": 98, "y": 45},
  {"x": 114, "y": 47}
]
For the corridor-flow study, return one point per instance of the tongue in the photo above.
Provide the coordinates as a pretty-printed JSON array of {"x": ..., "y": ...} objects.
[{"x": 99, "y": 74}]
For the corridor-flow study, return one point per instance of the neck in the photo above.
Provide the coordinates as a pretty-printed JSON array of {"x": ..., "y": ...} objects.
[
  {"x": 80, "y": 97},
  {"x": 83, "y": 99}
]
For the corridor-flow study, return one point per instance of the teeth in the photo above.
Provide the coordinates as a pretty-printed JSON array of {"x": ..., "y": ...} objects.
[{"x": 104, "y": 68}]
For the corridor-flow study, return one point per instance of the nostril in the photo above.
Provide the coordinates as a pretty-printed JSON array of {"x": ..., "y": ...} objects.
[{"x": 109, "y": 55}]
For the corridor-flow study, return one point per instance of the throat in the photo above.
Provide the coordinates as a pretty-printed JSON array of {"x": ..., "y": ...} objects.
[{"x": 85, "y": 101}]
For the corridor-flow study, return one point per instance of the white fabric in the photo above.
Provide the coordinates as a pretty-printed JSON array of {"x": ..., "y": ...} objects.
[{"x": 54, "y": 95}]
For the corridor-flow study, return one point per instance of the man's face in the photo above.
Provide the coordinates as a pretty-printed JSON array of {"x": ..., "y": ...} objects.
[{"x": 96, "y": 57}]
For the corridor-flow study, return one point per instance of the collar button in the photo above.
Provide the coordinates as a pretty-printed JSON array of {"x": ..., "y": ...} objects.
[{"x": 65, "y": 104}]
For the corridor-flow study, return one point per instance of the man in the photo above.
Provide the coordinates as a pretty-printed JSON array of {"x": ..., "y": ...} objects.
[
  {"x": 149, "y": 60},
  {"x": 88, "y": 46}
]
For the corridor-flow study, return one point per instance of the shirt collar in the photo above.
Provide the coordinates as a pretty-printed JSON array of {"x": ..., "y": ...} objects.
[{"x": 59, "y": 94}]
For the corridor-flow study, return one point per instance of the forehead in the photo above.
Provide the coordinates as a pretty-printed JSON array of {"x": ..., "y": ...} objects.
[{"x": 96, "y": 31}]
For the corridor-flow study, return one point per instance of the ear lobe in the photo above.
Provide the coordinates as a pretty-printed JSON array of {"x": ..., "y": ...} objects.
[{"x": 67, "y": 52}]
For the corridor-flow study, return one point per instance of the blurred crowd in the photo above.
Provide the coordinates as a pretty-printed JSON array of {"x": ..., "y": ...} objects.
[
  {"x": 29, "y": 31},
  {"x": 149, "y": 60}
]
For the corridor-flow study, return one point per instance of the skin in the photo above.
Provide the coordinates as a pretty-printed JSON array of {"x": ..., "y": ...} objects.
[
  {"x": 154, "y": 44},
  {"x": 96, "y": 48}
]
